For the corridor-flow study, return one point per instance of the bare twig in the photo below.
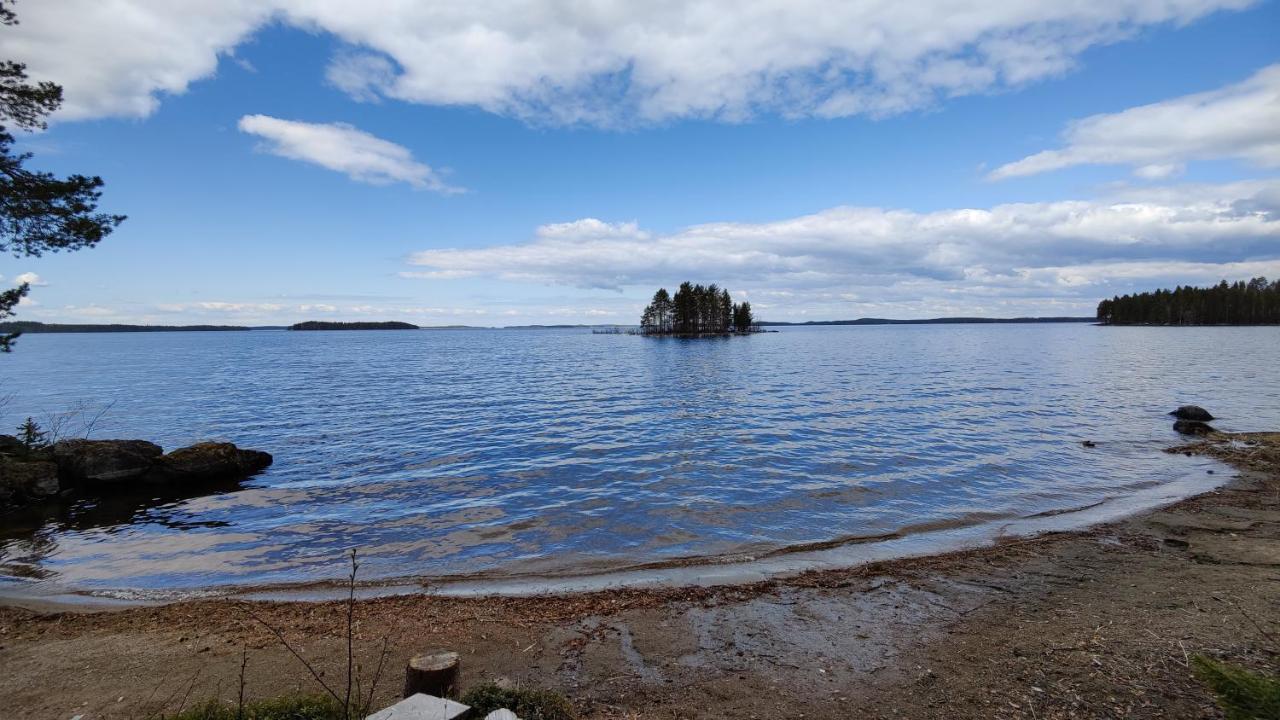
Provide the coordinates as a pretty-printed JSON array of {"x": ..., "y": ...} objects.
[
  {"x": 377, "y": 675},
  {"x": 351, "y": 610},
  {"x": 307, "y": 665},
  {"x": 244, "y": 662}
]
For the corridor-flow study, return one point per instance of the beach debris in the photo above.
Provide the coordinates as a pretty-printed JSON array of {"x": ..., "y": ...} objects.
[
  {"x": 1192, "y": 412},
  {"x": 421, "y": 706},
  {"x": 434, "y": 673}
]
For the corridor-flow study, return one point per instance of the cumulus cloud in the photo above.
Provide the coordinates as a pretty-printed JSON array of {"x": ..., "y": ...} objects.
[
  {"x": 600, "y": 63},
  {"x": 1238, "y": 121},
  {"x": 31, "y": 279},
  {"x": 341, "y": 147},
  {"x": 1065, "y": 249}
]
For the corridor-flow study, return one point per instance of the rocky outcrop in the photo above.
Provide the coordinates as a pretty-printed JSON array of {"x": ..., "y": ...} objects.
[
  {"x": 209, "y": 461},
  {"x": 24, "y": 479},
  {"x": 1192, "y": 412},
  {"x": 107, "y": 467},
  {"x": 94, "y": 462},
  {"x": 1193, "y": 427}
]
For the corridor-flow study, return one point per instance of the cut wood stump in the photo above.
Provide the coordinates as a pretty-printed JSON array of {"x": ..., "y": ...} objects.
[{"x": 433, "y": 674}]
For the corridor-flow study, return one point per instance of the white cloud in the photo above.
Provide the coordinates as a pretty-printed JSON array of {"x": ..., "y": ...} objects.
[
  {"x": 602, "y": 63},
  {"x": 31, "y": 279},
  {"x": 341, "y": 147},
  {"x": 1238, "y": 121},
  {"x": 957, "y": 259}
]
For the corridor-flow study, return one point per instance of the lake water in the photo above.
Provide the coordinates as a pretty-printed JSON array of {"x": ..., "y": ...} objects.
[{"x": 558, "y": 452}]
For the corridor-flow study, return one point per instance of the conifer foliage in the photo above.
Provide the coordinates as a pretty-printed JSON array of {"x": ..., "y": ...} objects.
[
  {"x": 1256, "y": 302},
  {"x": 696, "y": 310}
]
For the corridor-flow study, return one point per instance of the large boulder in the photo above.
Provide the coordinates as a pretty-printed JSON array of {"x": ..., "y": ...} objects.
[
  {"x": 1192, "y": 412},
  {"x": 104, "y": 461},
  {"x": 209, "y": 461},
  {"x": 1193, "y": 427},
  {"x": 24, "y": 479}
]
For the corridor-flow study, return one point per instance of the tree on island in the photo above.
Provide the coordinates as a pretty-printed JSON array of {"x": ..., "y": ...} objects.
[
  {"x": 1256, "y": 302},
  {"x": 696, "y": 310},
  {"x": 39, "y": 212}
]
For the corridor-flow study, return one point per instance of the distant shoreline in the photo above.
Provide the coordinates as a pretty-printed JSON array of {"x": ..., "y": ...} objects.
[
  {"x": 34, "y": 328},
  {"x": 932, "y": 321}
]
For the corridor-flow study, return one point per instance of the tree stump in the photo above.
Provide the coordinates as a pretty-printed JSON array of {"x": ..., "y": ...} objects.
[{"x": 433, "y": 674}]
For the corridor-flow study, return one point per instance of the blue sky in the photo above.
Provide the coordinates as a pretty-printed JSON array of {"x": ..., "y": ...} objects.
[{"x": 289, "y": 161}]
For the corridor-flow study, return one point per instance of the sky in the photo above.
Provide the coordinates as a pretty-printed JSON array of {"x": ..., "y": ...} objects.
[{"x": 556, "y": 161}]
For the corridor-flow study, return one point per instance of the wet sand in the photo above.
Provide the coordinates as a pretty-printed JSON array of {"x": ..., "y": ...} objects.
[{"x": 1092, "y": 623}]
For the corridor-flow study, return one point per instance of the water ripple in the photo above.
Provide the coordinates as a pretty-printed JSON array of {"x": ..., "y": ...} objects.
[{"x": 461, "y": 452}]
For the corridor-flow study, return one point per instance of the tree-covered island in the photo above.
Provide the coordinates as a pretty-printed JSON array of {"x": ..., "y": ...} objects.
[
  {"x": 1256, "y": 302},
  {"x": 696, "y": 311},
  {"x": 323, "y": 325}
]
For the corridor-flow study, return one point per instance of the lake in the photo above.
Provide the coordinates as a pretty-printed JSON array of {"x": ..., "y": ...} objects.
[{"x": 558, "y": 453}]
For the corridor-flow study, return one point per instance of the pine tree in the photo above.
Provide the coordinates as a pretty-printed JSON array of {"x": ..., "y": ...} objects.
[{"x": 30, "y": 434}]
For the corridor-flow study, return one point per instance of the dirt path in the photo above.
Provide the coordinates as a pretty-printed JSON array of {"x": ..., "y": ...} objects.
[{"x": 1091, "y": 624}]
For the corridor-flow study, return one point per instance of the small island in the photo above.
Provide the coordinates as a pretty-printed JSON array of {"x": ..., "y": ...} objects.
[
  {"x": 1256, "y": 302},
  {"x": 321, "y": 325},
  {"x": 697, "y": 311}
]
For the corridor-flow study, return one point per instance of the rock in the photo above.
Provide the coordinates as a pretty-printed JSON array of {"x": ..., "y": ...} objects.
[
  {"x": 1193, "y": 427},
  {"x": 423, "y": 707},
  {"x": 27, "y": 479},
  {"x": 10, "y": 445},
  {"x": 104, "y": 461},
  {"x": 1192, "y": 412},
  {"x": 209, "y": 461}
]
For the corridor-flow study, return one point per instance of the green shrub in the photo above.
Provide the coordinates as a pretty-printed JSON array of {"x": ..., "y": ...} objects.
[
  {"x": 298, "y": 707},
  {"x": 527, "y": 702},
  {"x": 1243, "y": 695}
]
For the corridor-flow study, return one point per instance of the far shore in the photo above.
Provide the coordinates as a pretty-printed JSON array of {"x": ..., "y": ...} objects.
[{"x": 1084, "y": 623}]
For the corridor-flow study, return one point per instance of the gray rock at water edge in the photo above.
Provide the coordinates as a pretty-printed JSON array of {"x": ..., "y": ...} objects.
[
  {"x": 209, "y": 461},
  {"x": 27, "y": 479},
  {"x": 1193, "y": 427},
  {"x": 1192, "y": 412},
  {"x": 104, "y": 461}
]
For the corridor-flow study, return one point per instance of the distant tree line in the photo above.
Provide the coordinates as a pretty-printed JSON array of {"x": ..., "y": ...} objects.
[
  {"x": 31, "y": 326},
  {"x": 321, "y": 325},
  {"x": 1256, "y": 302},
  {"x": 696, "y": 310}
]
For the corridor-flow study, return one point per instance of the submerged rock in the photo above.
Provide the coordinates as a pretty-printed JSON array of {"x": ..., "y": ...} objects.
[
  {"x": 25, "y": 479},
  {"x": 1193, "y": 427},
  {"x": 1192, "y": 412},
  {"x": 104, "y": 461},
  {"x": 209, "y": 461}
]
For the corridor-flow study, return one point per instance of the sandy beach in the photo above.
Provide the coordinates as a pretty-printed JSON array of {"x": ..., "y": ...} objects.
[{"x": 1095, "y": 623}]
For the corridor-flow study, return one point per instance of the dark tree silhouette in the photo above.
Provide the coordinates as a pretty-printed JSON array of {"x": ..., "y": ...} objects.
[
  {"x": 742, "y": 319},
  {"x": 39, "y": 212},
  {"x": 1256, "y": 302},
  {"x": 696, "y": 310}
]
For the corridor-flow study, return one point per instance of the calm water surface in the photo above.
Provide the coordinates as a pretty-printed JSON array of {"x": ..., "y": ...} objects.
[{"x": 443, "y": 453}]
